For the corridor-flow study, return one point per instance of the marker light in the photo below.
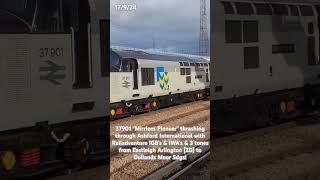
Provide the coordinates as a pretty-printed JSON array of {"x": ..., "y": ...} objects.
[
  {"x": 291, "y": 106},
  {"x": 113, "y": 112},
  {"x": 119, "y": 111},
  {"x": 30, "y": 157},
  {"x": 283, "y": 107},
  {"x": 147, "y": 106},
  {"x": 8, "y": 160},
  {"x": 154, "y": 104},
  {"x": 85, "y": 148}
]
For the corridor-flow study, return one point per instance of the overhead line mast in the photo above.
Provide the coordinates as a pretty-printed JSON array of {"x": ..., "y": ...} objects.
[{"x": 204, "y": 39}]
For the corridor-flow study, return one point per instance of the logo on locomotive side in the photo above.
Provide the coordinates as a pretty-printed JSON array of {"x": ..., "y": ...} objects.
[
  {"x": 52, "y": 75},
  {"x": 163, "y": 78},
  {"x": 126, "y": 83}
]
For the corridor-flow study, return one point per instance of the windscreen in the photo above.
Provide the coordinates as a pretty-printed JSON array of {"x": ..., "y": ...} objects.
[
  {"x": 37, "y": 16},
  {"x": 16, "y": 16},
  {"x": 114, "y": 62}
]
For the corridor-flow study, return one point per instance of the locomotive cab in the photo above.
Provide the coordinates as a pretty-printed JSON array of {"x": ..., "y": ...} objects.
[
  {"x": 53, "y": 83},
  {"x": 131, "y": 65}
]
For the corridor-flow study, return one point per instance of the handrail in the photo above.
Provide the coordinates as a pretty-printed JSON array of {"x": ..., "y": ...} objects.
[
  {"x": 73, "y": 54},
  {"x": 19, "y": 18}
]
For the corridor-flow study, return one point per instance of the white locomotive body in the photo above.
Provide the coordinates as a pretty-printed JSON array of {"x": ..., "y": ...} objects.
[
  {"x": 266, "y": 60},
  {"x": 141, "y": 81},
  {"x": 53, "y": 66}
]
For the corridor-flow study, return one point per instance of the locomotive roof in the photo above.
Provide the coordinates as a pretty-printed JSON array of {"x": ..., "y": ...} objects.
[{"x": 141, "y": 54}]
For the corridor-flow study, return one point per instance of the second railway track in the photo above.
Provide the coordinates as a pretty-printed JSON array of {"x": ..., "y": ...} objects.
[
  {"x": 286, "y": 151},
  {"x": 267, "y": 153}
]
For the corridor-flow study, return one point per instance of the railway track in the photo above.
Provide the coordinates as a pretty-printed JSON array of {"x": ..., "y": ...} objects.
[
  {"x": 191, "y": 114},
  {"x": 286, "y": 151},
  {"x": 172, "y": 111},
  {"x": 270, "y": 159},
  {"x": 174, "y": 169},
  {"x": 200, "y": 106},
  {"x": 304, "y": 143},
  {"x": 182, "y": 115},
  {"x": 202, "y": 102},
  {"x": 97, "y": 173},
  {"x": 114, "y": 149},
  {"x": 288, "y": 142}
]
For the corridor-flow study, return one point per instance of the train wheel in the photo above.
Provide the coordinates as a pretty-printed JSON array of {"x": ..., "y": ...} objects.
[{"x": 199, "y": 95}]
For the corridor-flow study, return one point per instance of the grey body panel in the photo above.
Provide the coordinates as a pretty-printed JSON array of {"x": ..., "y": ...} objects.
[
  {"x": 37, "y": 88},
  {"x": 288, "y": 70}
]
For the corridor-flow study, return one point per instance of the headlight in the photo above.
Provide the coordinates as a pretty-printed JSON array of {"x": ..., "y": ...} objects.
[
  {"x": 8, "y": 160},
  {"x": 154, "y": 104},
  {"x": 113, "y": 112}
]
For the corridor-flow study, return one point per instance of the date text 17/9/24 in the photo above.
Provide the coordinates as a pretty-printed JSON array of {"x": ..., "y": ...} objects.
[{"x": 126, "y": 7}]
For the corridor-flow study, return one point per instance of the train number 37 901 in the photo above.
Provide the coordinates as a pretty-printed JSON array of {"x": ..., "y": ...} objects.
[{"x": 51, "y": 52}]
